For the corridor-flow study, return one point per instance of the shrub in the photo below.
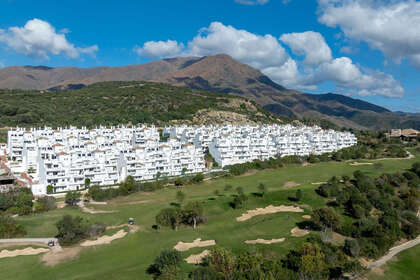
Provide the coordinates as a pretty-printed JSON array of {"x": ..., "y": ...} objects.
[
  {"x": 10, "y": 229},
  {"x": 71, "y": 230}
]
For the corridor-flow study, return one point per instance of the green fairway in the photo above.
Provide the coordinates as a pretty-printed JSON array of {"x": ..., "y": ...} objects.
[
  {"x": 129, "y": 257},
  {"x": 403, "y": 266}
]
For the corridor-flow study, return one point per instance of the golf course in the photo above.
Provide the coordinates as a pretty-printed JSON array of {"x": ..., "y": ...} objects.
[{"x": 129, "y": 255}]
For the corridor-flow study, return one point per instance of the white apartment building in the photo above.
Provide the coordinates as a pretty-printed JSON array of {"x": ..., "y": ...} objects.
[{"x": 65, "y": 157}]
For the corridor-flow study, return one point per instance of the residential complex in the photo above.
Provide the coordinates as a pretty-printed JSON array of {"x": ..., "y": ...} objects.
[{"x": 65, "y": 157}]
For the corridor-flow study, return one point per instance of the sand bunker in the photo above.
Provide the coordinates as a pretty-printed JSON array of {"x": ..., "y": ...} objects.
[
  {"x": 268, "y": 210},
  {"x": 307, "y": 217},
  {"x": 297, "y": 232},
  {"x": 92, "y": 211},
  {"x": 264, "y": 241},
  {"x": 106, "y": 239},
  {"x": 319, "y": 183},
  {"x": 360, "y": 163},
  {"x": 56, "y": 257},
  {"x": 132, "y": 228},
  {"x": 290, "y": 184},
  {"x": 181, "y": 246},
  {"x": 197, "y": 259},
  {"x": 22, "y": 252}
]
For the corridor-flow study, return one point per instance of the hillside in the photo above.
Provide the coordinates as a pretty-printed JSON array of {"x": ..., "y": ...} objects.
[
  {"x": 219, "y": 73},
  {"x": 112, "y": 103}
]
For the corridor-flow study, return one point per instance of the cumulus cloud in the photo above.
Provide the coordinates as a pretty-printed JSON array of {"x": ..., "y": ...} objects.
[
  {"x": 256, "y": 50},
  {"x": 252, "y": 2},
  {"x": 310, "y": 44},
  {"x": 266, "y": 53},
  {"x": 389, "y": 26},
  {"x": 354, "y": 80},
  {"x": 38, "y": 38},
  {"x": 153, "y": 49}
]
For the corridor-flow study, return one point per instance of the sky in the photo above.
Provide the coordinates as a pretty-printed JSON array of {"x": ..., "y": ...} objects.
[{"x": 366, "y": 49}]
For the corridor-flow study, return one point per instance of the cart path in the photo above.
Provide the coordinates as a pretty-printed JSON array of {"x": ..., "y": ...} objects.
[{"x": 394, "y": 251}]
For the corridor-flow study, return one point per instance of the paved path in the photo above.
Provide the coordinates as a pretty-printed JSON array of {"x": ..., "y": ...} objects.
[
  {"x": 12, "y": 241},
  {"x": 394, "y": 251}
]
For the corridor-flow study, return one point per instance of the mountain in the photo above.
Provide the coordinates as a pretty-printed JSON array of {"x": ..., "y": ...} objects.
[{"x": 222, "y": 74}]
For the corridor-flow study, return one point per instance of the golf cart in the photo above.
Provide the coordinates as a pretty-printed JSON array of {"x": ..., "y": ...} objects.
[
  {"x": 131, "y": 221},
  {"x": 51, "y": 243}
]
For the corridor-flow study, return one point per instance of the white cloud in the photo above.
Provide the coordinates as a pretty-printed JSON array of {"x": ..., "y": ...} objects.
[
  {"x": 38, "y": 38},
  {"x": 351, "y": 79},
  {"x": 256, "y": 50},
  {"x": 348, "y": 50},
  {"x": 160, "y": 49},
  {"x": 310, "y": 44},
  {"x": 252, "y": 2},
  {"x": 389, "y": 26},
  {"x": 265, "y": 53}
]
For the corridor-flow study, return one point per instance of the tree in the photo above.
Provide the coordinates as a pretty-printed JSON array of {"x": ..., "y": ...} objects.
[
  {"x": 352, "y": 248},
  {"x": 72, "y": 197},
  {"x": 312, "y": 264},
  {"x": 222, "y": 261},
  {"x": 240, "y": 190},
  {"x": 87, "y": 183},
  {"x": 198, "y": 178},
  {"x": 50, "y": 189},
  {"x": 158, "y": 174},
  {"x": 326, "y": 217},
  {"x": 184, "y": 170},
  {"x": 166, "y": 263},
  {"x": 193, "y": 213},
  {"x": 9, "y": 228},
  {"x": 169, "y": 217},
  {"x": 71, "y": 229},
  {"x": 262, "y": 189},
  {"x": 46, "y": 203},
  {"x": 298, "y": 195},
  {"x": 180, "y": 197},
  {"x": 204, "y": 273}
]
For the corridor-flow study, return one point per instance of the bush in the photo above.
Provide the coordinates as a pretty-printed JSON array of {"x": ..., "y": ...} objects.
[
  {"x": 71, "y": 230},
  {"x": 46, "y": 203},
  {"x": 10, "y": 229},
  {"x": 352, "y": 248},
  {"x": 198, "y": 178}
]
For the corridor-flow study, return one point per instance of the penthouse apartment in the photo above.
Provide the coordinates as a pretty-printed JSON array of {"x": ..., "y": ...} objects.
[{"x": 65, "y": 157}]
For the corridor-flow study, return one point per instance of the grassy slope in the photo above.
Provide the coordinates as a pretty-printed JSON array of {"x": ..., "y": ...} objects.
[
  {"x": 128, "y": 258},
  {"x": 403, "y": 266}
]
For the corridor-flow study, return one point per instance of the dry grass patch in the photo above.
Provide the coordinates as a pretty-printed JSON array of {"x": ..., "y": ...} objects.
[
  {"x": 268, "y": 210},
  {"x": 360, "y": 163},
  {"x": 290, "y": 184},
  {"x": 307, "y": 217},
  {"x": 181, "y": 246},
  {"x": 56, "y": 257}
]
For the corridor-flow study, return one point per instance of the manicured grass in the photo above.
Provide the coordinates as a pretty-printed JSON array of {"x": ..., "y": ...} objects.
[
  {"x": 129, "y": 257},
  {"x": 404, "y": 266}
]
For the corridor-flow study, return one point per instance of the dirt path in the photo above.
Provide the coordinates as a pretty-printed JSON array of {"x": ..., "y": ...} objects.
[
  {"x": 394, "y": 251},
  {"x": 85, "y": 209},
  {"x": 181, "y": 246},
  {"x": 268, "y": 210}
]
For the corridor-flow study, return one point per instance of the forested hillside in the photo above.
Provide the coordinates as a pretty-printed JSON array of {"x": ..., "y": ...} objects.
[{"x": 112, "y": 103}]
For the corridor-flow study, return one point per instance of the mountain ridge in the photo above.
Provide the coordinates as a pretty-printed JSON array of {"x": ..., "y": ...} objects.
[{"x": 218, "y": 73}]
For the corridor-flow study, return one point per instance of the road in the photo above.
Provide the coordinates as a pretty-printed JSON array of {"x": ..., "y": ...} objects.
[{"x": 394, "y": 251}]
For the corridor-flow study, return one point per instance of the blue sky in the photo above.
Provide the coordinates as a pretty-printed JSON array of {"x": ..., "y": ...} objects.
[{"x": 367, "y": 49}]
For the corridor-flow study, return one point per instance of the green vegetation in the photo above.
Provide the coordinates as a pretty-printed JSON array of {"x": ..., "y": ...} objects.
[
  {"x": 129, "y": 257},
  {"x": 10, "y": 229},
  {"x": 404, "y": 266},
  {"x": 16, "y": 201},
  {"x": 114, "y": 103},
  {"x": 73, "y": 229}
]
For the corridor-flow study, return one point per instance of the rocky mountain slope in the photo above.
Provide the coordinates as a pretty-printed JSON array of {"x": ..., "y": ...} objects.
[{"x": 219, "y": 73}]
